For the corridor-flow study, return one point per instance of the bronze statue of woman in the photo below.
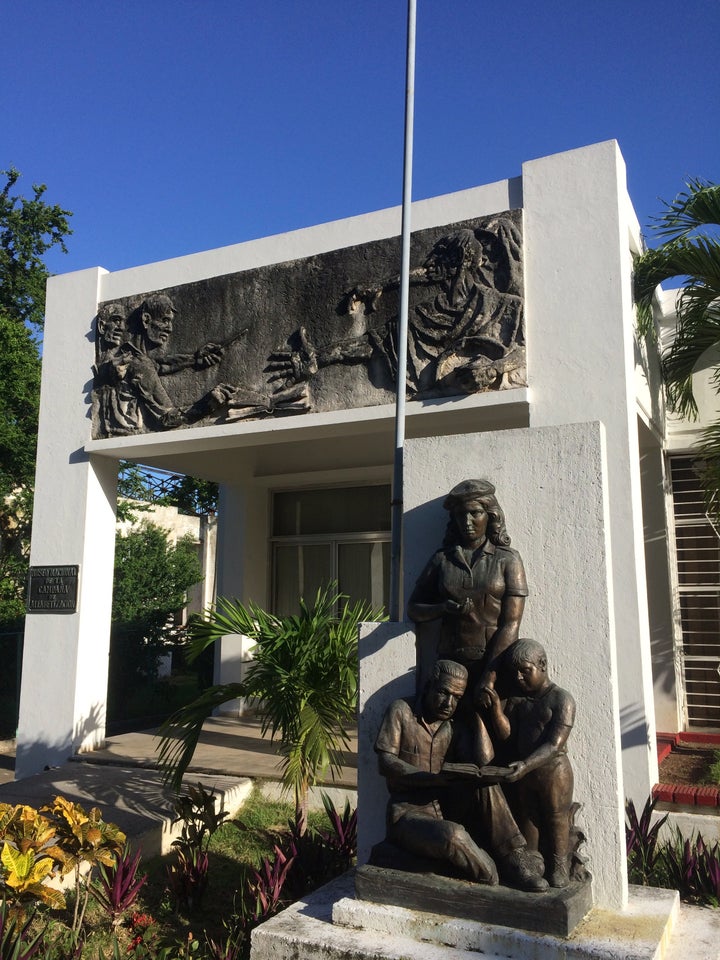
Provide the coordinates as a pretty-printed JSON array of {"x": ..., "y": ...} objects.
[{"x": 475, "y": 584}]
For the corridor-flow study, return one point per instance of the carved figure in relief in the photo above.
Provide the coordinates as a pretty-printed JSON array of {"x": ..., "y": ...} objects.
[
  {"x": 111, "y": 334},
  {"x": 416, "y": 748},
  {"x": 132, "y": 358},
  {"x": 535, "y": 723},
  {"x": 467, "y": 337},
  {"x": 475, "y": 584},
  {"x": 132, "y": 372},
  {"x": 112, "y": 327}
]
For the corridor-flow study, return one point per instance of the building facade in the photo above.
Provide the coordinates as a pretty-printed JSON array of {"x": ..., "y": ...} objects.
[{"x": 269, "y": 367}]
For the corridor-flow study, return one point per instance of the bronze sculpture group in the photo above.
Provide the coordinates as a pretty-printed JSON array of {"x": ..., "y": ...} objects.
[{"x": 476, "y": 765}]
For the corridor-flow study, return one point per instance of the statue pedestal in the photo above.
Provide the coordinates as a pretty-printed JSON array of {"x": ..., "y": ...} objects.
[
  {"x": 332, "y": 924},
  {"x": 556, "y": 912}
]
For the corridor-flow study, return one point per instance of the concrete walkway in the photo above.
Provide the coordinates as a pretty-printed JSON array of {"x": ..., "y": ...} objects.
[{"x": 123, "y": 779}]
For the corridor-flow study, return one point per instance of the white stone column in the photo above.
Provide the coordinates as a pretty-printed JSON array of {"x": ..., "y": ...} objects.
[
  {"x": 665, "y": 653},
  {"x": 581, "y": 367},
  {"x": 65, "y": 660},
  {"x": 242, "y": 574}
]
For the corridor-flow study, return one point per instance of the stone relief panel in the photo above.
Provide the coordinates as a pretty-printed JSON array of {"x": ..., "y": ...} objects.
[{"x": 316, "y": 334}]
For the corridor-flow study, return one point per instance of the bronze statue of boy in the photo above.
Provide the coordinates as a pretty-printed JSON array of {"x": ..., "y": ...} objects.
[{"x": 535, "y": 722}]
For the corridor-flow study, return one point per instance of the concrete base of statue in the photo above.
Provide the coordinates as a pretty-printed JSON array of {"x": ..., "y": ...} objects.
[
  {"x": 333, "y": 924},
  {"x": 556, "y": 911}
]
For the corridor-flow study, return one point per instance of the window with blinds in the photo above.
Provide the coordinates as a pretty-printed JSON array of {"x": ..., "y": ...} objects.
[
  {"x": 340, "y": 534},
  {"x": 698, "y": 570}
]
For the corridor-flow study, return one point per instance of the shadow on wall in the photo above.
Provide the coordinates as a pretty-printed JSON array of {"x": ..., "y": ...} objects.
[
  {"x": 634, "y": 730},
  {"x": 663, "y": 655},
  {"x": 402, "y": 685},
  {"x": 663, "y": 618},
  {"x": 45, "y": 754},
  {"x": 386, "y": 652}
]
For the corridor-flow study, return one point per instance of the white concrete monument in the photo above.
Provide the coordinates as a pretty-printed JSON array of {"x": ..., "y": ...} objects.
[{"x": 268, "y": 367}]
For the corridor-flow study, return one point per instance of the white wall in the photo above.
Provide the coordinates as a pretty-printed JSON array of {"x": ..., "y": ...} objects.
[
  {"x": 579, "y": 232},
  {"x": 65, "y": 660},
  {"x": 242, "y": 574},
  {"x": 662, "y": 620}
]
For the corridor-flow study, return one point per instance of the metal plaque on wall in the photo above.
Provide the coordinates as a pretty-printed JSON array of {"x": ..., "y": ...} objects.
[{"x": 53, "y": 589}]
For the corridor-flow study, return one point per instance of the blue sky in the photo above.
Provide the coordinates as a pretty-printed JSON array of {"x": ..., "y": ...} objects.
[{"x": 172, "y": 126}]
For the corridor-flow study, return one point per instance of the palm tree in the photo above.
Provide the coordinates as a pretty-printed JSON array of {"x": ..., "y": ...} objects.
[
  {"x": 304, "y": 677},
  {"x": 691, "y": 251}
]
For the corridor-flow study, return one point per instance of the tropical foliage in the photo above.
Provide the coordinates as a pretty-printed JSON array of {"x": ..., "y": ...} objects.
[
  {"x": 119, "y": 884},
  {"x": 689, "y": 250},
  {"x": 188, "y": 876},
  {"x": 17, "y": 940},
  {"x": 256, "y": 867},
  {"x": 304, "y": 679},
  {"x": 152, "y": 577},
  {"x": 29, "y": 227},
  {"x": 641, "y": 838},
  {"x": 86, "y": 842},
  {"x": 686, "y": 864},
  {"x": 141, "y": 486},
  {"x": 39, "y": 845}
]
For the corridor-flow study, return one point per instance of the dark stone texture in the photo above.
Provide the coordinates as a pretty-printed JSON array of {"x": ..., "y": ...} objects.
[
  {"x": 316, "y": 334},
  {"x": 557, "y": 911}
]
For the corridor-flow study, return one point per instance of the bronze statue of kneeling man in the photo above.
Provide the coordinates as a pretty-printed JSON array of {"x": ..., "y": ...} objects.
[{"x": 416, "y": 747}]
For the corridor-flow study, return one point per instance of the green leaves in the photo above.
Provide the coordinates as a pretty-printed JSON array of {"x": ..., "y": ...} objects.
[
  {"x": 690, "y": 250},
  {"x": 84, "y": 836},
  {"x": 152, "y": 575},
  {"x": 19, "y": 401},
  {"x": 28, "y": 229},
  {"x": 304, "y": 677},
  {"x": 151, "y": 579},
  {"x": 692, "y": 208},
  {"x": 17, "y": 940},
  {"x": 25, "y": 875},
  {"x": 190, "y": 495},
  {"x": 180, "y": 733}
]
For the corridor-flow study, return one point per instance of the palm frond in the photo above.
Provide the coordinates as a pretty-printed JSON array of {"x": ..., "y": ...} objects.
[
  {"x": 690, "y": 250},
  {"x": 699, "y": 333},
  {"x": 180, "y": 733},
  {"x": 693, "y": 256},
  {"x": 698, "y": 259},
  {"x": 708, "y": 467},
  {"x": 303, "y": 675},
  {"x": 692, "y": 209},
  {"x": 229, "y": 617}
]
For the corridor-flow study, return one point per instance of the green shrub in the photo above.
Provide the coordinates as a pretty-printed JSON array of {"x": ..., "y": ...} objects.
[{"x": 715, "y": 768}]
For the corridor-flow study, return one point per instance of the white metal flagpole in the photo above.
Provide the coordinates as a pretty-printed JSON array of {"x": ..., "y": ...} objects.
[{"x": 402, "y": 330}]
